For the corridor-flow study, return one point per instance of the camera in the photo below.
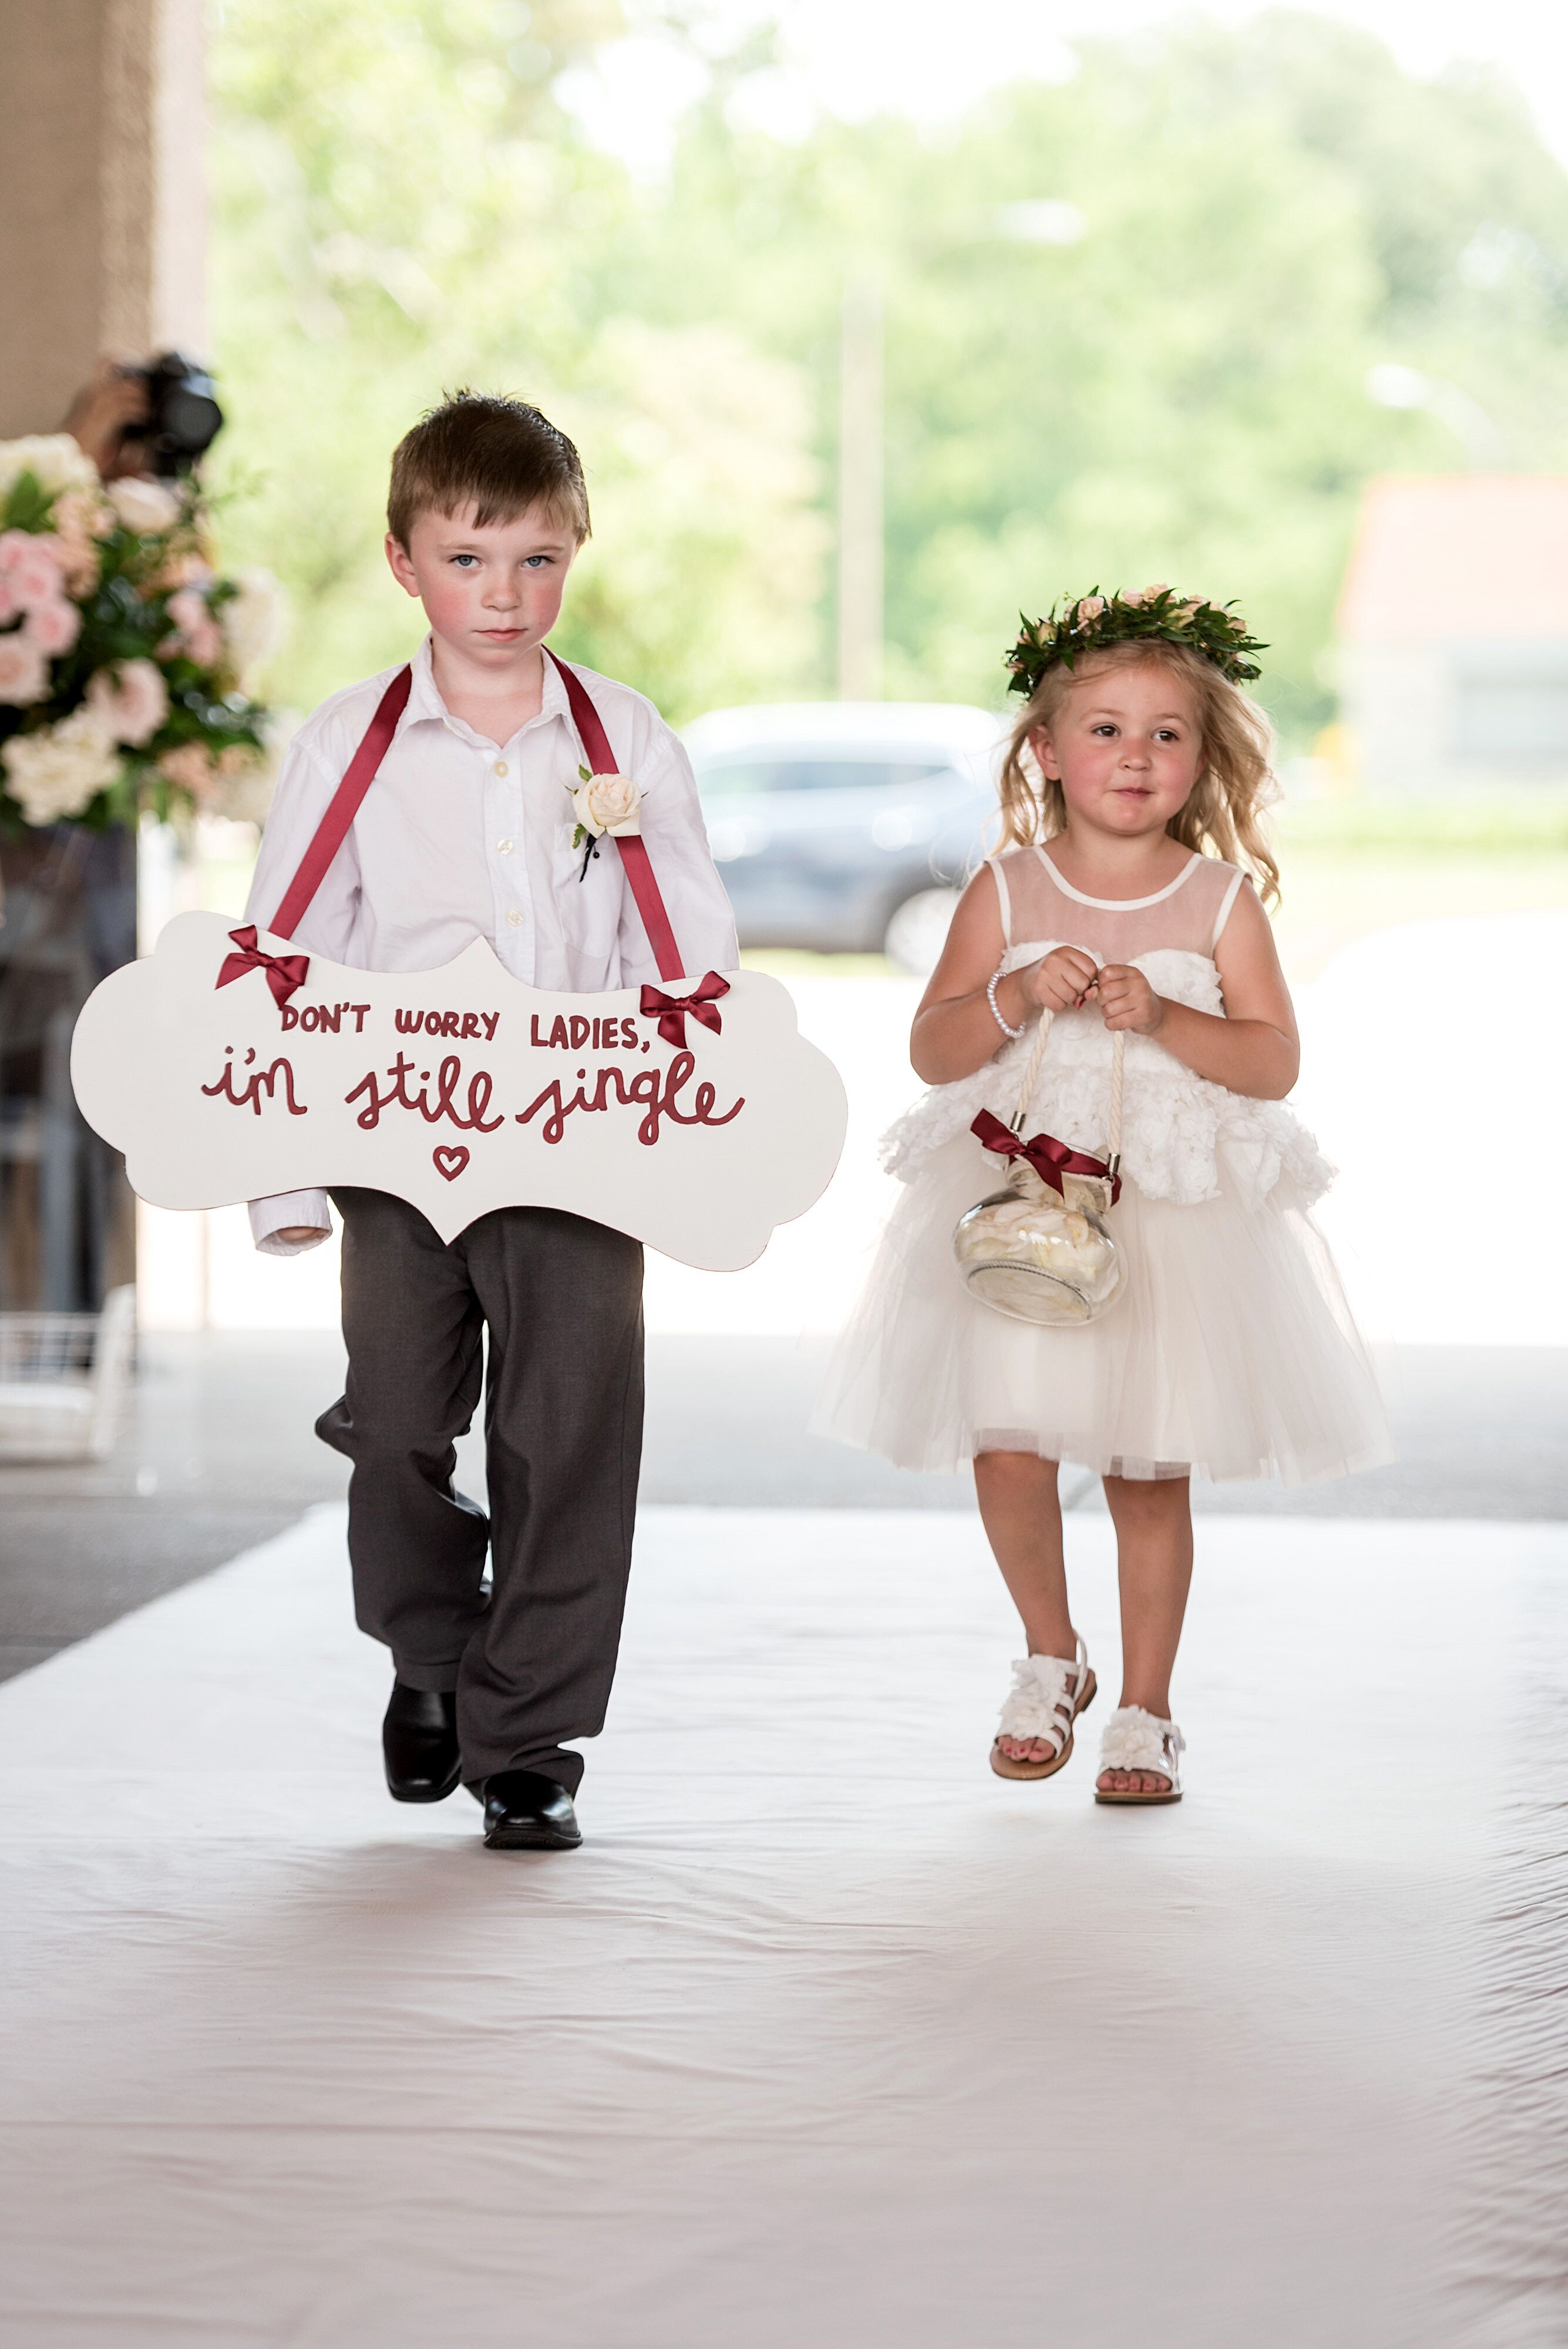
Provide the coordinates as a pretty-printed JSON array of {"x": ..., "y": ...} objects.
[{"x": 184, "y": 418}]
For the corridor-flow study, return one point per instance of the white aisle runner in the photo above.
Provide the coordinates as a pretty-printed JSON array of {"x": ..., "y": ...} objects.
[{"x": 827, "y": 2037}]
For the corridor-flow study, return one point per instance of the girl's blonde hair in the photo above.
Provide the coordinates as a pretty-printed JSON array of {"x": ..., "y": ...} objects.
[{"x": 1224, "y": 815}]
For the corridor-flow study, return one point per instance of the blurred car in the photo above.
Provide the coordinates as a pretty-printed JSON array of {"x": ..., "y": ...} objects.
[{"x": 846, "y": 826}]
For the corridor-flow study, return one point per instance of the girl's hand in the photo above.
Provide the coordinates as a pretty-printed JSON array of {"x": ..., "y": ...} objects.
[
  {"x": 1060, "y": 980},
  {"x": 1128, "y": 1001}
]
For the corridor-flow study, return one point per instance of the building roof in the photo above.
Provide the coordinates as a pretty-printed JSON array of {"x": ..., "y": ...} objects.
[{"x": 1460, "y": 554}]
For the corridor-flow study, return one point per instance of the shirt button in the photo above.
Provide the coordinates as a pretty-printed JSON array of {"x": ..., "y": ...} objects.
[
  {"x": 513, "y": 917},
  {"x": 501, "y": 766},
  {"x": 504, "y": 847}
]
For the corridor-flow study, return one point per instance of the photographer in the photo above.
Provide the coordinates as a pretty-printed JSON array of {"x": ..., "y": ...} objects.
[{"x": 153, "y": 418}]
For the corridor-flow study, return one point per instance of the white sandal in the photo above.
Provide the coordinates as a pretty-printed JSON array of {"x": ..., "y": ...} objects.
[
  {"x": 1136, "y": 1740},
  {"x": 1047, "y": 1696}
]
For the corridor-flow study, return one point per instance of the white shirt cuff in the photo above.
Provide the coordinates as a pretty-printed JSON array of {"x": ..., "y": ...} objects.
[{"x": 271, "y": 1217}]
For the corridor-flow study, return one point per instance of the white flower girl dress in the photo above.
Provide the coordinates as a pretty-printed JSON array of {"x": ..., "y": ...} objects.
[{"x": 1231, "y": 1351}]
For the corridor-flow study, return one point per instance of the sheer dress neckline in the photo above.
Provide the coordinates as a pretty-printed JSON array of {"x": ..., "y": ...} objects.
[
  {"x": 1031, "y": 950},
  {"x": 1118, "y": 905}
]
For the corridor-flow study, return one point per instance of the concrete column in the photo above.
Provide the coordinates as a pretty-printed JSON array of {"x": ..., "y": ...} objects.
[
  {"x": 103, "y": 196},
  {"x": 102, "y": 238}
]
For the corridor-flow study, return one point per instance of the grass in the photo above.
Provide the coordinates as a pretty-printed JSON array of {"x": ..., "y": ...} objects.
[{"x": 1489, "y": 824}]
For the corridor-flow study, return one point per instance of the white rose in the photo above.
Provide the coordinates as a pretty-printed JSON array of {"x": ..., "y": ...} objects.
[
  {"x": 52, "y": 457},
  {"x": 610, "y": 803},
  {"x": 54, "y": 773},
  {"x": 146, "y": 507},
  {"x": 252, "y": 620}
]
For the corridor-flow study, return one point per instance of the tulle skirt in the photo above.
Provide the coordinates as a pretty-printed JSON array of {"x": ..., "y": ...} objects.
[{"x": 1231, "y": 1351}]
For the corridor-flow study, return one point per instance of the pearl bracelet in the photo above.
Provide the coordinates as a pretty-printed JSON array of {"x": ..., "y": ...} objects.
[{"x": 995, "y": 1011}]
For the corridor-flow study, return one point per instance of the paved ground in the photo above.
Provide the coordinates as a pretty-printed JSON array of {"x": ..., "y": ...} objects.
[
  {"x": 290, "y": 2066},
  {"x": 219, "y": 1455}
]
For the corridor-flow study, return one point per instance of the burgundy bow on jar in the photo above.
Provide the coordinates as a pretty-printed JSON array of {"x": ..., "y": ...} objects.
[{"x": 1051, "y": 1159}]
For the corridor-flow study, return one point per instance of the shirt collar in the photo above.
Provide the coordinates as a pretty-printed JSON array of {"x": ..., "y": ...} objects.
[{"x": 424, "y": 703}]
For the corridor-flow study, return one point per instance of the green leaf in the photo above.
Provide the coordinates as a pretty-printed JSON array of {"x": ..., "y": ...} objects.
[{"x": 28, "y": 504}]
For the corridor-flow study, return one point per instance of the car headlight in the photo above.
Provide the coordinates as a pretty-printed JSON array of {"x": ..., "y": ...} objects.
[
  {"x": 900, "y": 827},
  {"x": 729, "y": 839}
]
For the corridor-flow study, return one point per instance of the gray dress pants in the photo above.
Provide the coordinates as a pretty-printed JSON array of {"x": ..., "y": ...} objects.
[{"x": 562, "y": 1300}]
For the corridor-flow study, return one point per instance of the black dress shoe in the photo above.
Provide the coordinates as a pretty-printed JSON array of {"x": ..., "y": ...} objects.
[
  {"x": 525, "y": 1811},
  {"x": 418, "y": 1743}
]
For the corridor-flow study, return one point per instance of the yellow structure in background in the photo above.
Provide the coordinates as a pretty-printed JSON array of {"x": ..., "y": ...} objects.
[
  {"x": 103, "y": 195},
  {"x": 1453, "y": 628}
]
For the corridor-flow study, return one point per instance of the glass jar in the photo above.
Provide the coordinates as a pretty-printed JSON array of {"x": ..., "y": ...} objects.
[{"x": 1037, "y": 1256}]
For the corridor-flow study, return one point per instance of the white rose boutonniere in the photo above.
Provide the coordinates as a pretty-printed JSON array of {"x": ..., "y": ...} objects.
[{"x": 602, "y": 804}]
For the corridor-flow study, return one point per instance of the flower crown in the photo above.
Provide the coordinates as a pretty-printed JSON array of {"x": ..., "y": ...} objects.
[{"x": 1149, "y": 616}]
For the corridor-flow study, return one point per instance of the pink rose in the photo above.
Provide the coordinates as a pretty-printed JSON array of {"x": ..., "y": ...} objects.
[
  {"x": 80, "y": 564},
  {"x": 191, "y": 766},
  {"x": 1088, "y": 610},
  {"x": 130, "y": 701},
  {"x": 187, "y": 609},
  {"x": 186, "y": 569},
  {"x": 201, "y": 639},
  {"x": 54, "y": 626},
  {"x": 24, "y": 671},
  {"x": 84, "y": 511},
  {"x": 75, "y": 519},
  {"x": 30, "y": 566}
]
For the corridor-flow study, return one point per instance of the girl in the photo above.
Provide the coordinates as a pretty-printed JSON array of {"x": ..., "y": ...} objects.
[{"x": 1122, "y": 901}]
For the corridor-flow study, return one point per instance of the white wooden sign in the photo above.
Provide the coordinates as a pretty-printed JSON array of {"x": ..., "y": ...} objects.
[{"x": 461, "y": 1090}]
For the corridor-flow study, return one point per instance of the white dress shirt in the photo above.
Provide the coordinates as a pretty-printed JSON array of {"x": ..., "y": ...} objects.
[{"x": 460, "y": 837}]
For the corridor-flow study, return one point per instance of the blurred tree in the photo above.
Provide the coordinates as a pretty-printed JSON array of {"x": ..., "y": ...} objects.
[
  {"x": 1269, "y": 209},
  {"x": 403, "y": 207}
]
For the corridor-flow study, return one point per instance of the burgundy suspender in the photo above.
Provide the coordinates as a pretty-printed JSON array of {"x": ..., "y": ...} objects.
[
  {"x": 633, "y": 854},
  {"x": 332, "y": 830}
]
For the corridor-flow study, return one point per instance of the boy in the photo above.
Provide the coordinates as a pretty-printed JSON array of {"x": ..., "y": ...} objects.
[{"x": 465, "y": 832}]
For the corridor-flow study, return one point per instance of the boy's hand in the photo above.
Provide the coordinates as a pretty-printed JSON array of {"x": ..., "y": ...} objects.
[
  {"x": 1128, "y": 1001},
  {"x": 1060, "y": 980},
  {"x": 302, "y": 1235}
]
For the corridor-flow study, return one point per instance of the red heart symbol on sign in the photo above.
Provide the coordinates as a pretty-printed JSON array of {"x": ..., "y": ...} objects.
[{"x": 450, "y": 1162}]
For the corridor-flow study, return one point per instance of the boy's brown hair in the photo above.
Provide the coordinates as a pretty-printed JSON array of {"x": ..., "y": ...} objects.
[{"x": 498, "y": 455}]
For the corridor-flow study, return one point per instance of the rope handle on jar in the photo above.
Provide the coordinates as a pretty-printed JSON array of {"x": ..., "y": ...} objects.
[{"x": 1032, "y": 1078}]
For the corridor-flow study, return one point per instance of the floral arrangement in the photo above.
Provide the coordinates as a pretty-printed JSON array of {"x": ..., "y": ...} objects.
[
  {"x": 1150, "y": 614},
  {"x": 124, "y": 656}
]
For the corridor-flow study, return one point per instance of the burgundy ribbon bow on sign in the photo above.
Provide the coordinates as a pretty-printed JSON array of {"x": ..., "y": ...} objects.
[
  {"x": 670, "y": 1009},
  {"x": 283, "y": 972},
  {"x": 1051, "y": 1159}
]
